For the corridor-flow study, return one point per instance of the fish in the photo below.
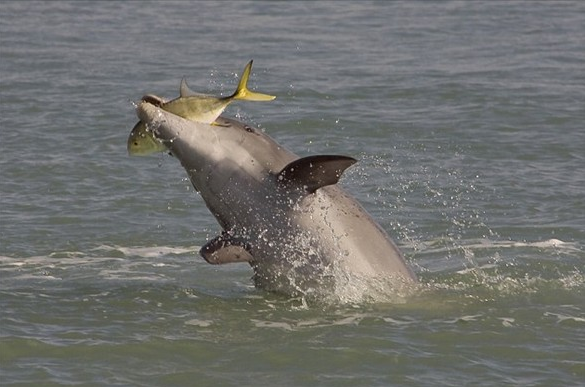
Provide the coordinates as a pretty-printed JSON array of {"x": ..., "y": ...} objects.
[{"x": 192, "y": 106}]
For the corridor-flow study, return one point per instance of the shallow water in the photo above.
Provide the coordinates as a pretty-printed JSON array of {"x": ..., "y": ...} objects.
[{"x": 467, "y": 119}]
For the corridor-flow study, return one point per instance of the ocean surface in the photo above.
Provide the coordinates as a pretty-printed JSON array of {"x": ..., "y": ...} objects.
[{"x": 468, "y": 122}]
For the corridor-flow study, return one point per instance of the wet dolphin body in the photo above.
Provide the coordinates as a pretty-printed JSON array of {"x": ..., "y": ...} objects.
[{"x": 284, "y": 215}]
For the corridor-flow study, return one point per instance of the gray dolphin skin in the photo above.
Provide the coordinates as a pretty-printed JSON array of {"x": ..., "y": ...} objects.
[{"x": 284, "y": 215}]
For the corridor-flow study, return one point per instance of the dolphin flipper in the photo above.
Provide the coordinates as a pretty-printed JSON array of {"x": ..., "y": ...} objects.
[
  {"x": 225, "y": 248},
  {"x": 314, "y": 172}
]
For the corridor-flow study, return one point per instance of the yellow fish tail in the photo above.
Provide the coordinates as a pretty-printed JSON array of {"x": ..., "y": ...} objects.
[{"x": 242, "y": 91}]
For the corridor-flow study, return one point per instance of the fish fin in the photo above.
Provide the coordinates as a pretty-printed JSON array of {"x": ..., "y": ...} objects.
[
  {"x": 314, "y": 172},
  {"x": 242, "y": 91},
  {"x": 226, "y": 248},
  {"x": 215, "y": 123},
  {"x": 185, "y": 91}
]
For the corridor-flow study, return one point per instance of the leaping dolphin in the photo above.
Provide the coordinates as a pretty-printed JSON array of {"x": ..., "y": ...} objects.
[{"x": 284, "y": 215}]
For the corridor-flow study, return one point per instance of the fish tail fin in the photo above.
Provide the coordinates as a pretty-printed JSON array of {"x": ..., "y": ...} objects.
[{"x": 242, "y": 91}]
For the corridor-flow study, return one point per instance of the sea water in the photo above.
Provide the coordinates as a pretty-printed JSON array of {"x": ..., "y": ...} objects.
[{"x": 467, "y": 120}]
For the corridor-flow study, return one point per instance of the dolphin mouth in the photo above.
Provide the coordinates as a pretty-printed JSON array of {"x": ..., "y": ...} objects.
[
  {"x": 148, "y": 112},
  {"x": 153, "y": 99}
]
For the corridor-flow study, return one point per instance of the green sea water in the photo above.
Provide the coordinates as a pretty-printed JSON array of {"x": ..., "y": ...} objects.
[{"x": 467, "y": 120}]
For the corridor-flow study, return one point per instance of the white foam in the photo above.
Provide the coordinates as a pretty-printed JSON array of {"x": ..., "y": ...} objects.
[
  {"x": 564, "y": 317},
  {"x": 199, "y": 323},
  {"x": 475, "y": 269},
  {"x": 426, "y": 247},
  {"x": 468, "y": 318},
  {"x": 507, "y": 321},
  {"x": 149, "y": 252},
  {"x": 393, "y": 321},
  {"x": 272, "y": 324}
]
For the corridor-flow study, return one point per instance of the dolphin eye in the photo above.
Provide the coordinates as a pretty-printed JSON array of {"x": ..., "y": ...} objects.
[{"x": 249, "y": 129}]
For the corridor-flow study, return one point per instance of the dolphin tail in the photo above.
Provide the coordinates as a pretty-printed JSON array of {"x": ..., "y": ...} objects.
[{"x": 242, "y": 91}]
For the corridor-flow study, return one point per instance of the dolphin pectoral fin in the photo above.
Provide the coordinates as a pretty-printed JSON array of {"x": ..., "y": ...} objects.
[
  {"x": 226, "y": 249},
  {"x": 314, "y": 172}
]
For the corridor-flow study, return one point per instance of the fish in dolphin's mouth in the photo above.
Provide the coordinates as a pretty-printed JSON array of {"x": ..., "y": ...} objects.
[{"x": 192, "y": 106}]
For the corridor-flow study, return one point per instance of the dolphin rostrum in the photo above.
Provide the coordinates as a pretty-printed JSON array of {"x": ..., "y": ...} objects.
[{"x": 284, "y": 215}]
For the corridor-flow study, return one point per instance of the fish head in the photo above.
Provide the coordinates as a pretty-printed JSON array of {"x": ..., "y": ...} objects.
[{"x": 142, "y": 142}]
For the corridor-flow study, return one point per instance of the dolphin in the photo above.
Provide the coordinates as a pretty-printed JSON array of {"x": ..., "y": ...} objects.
[{"x": 284, "y": 215}]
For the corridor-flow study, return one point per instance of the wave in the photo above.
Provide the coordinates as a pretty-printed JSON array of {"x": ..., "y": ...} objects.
[
  {"x": 543, "y": 268},
  {"x": 445, "y": 246},
  {"x": 148, "y": 252}
]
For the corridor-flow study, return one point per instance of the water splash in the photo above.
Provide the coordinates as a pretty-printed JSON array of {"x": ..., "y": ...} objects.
[{"x": 505, "y": 269}]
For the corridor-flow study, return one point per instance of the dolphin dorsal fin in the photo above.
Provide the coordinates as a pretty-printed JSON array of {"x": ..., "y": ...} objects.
[
  {"x": 184, "y": 89},
  {"x": 314, "y": 172}
]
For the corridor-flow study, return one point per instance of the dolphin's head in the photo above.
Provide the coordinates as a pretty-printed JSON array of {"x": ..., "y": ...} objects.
[{"x": 225, "y": 150}]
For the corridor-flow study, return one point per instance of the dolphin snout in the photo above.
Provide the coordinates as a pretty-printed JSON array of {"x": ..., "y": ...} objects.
[{"x": 147, "y": 112}]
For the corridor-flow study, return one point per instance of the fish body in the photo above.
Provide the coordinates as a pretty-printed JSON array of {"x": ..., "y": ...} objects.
[{"x": 206, "y": 108}]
